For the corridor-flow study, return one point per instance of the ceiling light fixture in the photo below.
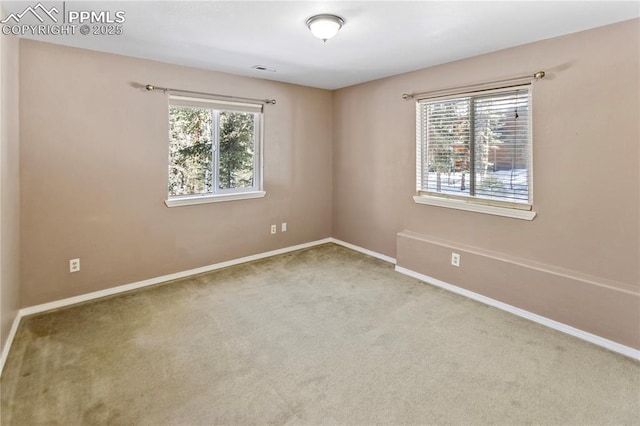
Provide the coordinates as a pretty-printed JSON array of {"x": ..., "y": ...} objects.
[{"x": 325, "y": 26}]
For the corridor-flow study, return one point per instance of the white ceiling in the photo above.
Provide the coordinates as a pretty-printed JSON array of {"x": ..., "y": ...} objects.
[{"x": 379, "y": 39}]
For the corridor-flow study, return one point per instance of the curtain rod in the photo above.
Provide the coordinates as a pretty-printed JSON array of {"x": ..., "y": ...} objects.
[
  {"x": 151, "y": 87},
  {"x": 536, "y": 76}
]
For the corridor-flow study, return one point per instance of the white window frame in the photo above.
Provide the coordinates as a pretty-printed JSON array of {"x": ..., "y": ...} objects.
[
  {"x": 522, "y": 211},
  {"x": 218, "y": 194}
]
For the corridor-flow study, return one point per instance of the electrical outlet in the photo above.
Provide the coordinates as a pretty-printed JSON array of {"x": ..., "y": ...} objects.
[
  {"x": 455, "y": 259},
  {"x": 283, "y": 227},
  {"x": 74, "y": 265},
  {"x": 273, "y": 229}
]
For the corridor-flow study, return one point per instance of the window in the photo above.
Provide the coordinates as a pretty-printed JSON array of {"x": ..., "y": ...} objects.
[
  {"x": 214, "y": 151},
  {"x": 476, "y": 149}
]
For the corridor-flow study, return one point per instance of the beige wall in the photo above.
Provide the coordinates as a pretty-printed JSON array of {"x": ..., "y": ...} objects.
[
  {"x": 9, "y": 187},
  {"x": 94, "y": 173},
  {"x": 564, "y": 296},
  {"x": 94, "y": 161},
  {"x": 585, "y": 175}
]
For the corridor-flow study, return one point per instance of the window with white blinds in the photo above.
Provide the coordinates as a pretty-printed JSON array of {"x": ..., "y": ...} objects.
[{"x": 476, "y": 147}]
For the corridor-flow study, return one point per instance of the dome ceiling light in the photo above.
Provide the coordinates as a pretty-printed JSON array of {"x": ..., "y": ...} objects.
[{"x": 325, "y": 26}]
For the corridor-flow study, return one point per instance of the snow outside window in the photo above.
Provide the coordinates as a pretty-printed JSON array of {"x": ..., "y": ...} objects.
[{"x": 476, "y": 147}]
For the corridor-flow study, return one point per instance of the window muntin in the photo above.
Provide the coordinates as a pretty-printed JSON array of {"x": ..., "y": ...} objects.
[
  {"x": 214, "y": 147},
  {"x": 476, "y": 147}
]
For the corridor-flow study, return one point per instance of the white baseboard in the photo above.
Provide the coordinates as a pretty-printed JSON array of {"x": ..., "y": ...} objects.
[
  {"x": 145, "y": 283},
  {"x": 581, "y": 334},
  {"x": 364, "y": 250},
  {"x": 183, "y": 274},
  {"x": 613, "y": 346},
  {"x": 157, "y": 280},
  {"x": 9, "y": 341}
]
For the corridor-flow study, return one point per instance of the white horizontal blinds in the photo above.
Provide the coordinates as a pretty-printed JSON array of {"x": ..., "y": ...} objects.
[
  {"x": 501, "y": 146},
  {"x": 217, "y": 104},
  {"x": 477, "y": 146},
  {"x": 446, "y": 168},
  {"x": 421, "y": 147}
]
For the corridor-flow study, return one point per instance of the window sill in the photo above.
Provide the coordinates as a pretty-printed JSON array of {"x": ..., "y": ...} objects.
[
  {"x": 472, "y": 207},
  {"x": 205, "y": 199}
]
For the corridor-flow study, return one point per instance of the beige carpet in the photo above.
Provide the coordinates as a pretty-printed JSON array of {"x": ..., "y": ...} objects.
[{"x": 319, "y": 336}]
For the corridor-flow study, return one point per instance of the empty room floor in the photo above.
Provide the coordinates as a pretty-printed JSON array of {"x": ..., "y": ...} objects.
[{"x": 319, "y": 336}]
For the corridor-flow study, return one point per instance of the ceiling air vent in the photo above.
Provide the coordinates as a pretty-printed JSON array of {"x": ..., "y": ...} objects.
[{"x": 263, "y": 68}]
